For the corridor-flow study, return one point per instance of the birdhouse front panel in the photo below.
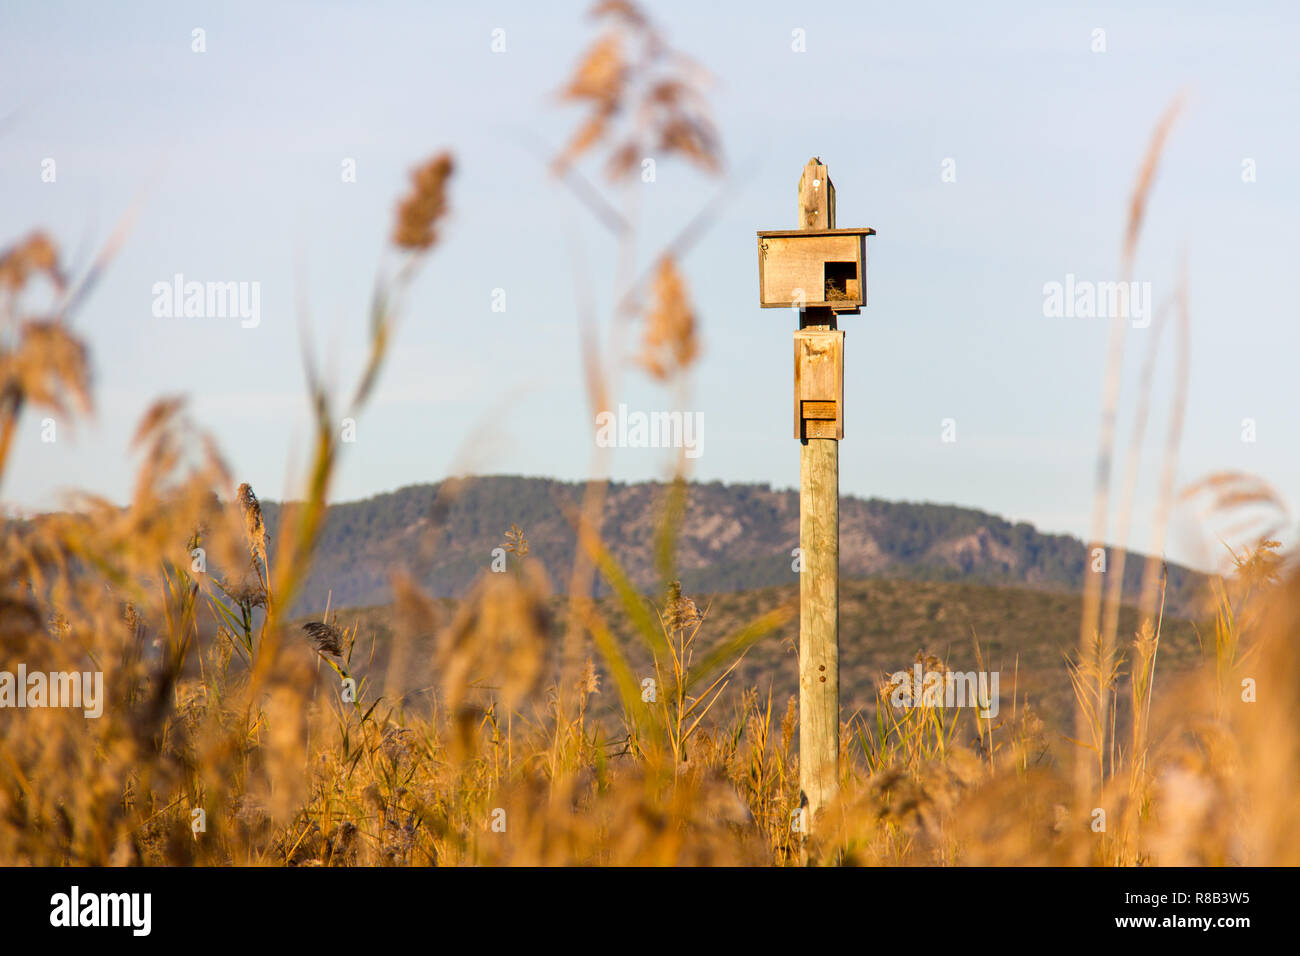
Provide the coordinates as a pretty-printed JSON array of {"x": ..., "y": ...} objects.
[
  {"x": 821, "y": 268},
  {"x": 818, "y": 384}
]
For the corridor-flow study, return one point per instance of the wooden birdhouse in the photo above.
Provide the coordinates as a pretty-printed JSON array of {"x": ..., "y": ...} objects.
[
  {"x": 815, "y": 266},
  {"x": 811, "y": 268}
]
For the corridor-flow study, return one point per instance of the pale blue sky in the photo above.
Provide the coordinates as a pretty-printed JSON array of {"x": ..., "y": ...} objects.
[{"x": 238, "y": 153}]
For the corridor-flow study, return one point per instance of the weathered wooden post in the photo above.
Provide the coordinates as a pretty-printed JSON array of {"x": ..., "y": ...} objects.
[{"x": 821, "y": 271}]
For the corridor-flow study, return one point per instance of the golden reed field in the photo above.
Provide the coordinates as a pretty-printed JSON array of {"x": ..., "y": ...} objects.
[{"x": 232, "y": 732}]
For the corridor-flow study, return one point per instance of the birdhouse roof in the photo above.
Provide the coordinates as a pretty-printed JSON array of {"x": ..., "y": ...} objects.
[{"x": 773, "y": 233}]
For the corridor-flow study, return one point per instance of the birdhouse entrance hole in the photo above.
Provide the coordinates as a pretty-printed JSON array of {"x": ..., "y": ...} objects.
[{"x": 841, "y": 281}]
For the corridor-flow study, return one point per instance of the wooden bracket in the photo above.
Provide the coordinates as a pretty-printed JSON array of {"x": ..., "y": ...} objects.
[{"x": 818, "y": 384}]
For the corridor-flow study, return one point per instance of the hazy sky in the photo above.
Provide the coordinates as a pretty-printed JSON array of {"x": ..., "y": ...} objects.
[{"x": 237, "y": 153}]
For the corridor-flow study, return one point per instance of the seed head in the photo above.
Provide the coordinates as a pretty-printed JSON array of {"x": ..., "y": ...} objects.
[
  {"x": 424, "y": 205},
  {"x": 254, "y": 527},
  {"x": 670, "y": 344},
  {"x": 327, "y": 638},
  {"x": 680, "y": 612}
]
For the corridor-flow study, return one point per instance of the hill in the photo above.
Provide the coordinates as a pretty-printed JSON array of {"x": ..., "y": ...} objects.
[{"x": 734, "y": 537}]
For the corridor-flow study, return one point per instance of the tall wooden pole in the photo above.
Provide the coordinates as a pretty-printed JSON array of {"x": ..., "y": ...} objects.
[
  {"x": 819, "y": 543},
  {"x": 819, "y": 622},
  {"x": 821, "y": 270}
]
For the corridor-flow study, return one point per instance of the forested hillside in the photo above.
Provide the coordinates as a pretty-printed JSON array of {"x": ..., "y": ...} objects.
[{"x": 733, "y": 538}]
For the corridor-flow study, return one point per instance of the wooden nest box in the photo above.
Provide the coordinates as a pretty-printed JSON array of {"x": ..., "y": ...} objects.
[
  {"x": 818, "y": 384},
  {"x": 814, "y": 266}
]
